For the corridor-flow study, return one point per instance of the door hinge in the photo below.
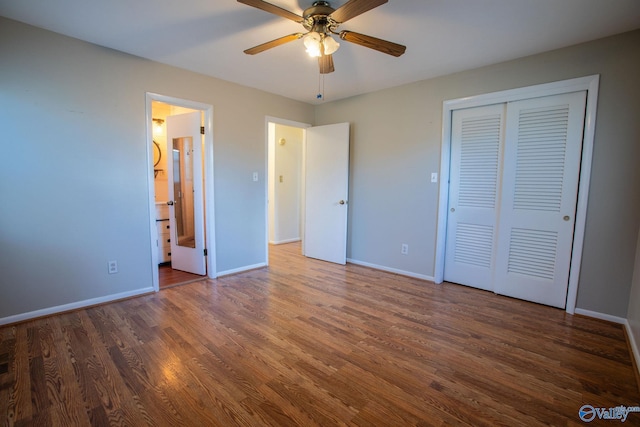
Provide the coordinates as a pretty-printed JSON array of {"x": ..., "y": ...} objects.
[
  {"x": 201, "y": 130},
  {"x": 205, "y": 251}
]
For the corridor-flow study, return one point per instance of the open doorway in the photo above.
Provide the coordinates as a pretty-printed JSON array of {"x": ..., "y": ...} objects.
[
  {"x": 307, "y": 180},
  {"x": 181, "y": 172},
  {"x": 285, "y": 181}
]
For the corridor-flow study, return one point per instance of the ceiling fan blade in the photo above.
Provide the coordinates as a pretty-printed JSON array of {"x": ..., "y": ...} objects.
[
  {"x": 273, "y": 43},
  {"x": 353, "y": 8},
  {"x": 326, "y": 64},
  {"x": 271, "y": 8},
  {"x": 380, "y": 45}
]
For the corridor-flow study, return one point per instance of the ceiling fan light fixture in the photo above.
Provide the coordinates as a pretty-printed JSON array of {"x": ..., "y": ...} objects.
[
  {"x": 312, "y": 43},
  {"x": 320, "y": 44},
  {"x": 330, "y": 45}
]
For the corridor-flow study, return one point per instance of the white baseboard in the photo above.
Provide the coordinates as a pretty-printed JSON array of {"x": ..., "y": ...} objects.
[
  {"x": 634, "y": 345},
  {"x": 390, "y": 270},
  {"x": 635, "y": 351},
  {"x": 73, "y": 306},
  {"x": 241, "y": 269},
  {"x": 601, "y": 316},
  {"x": 282, "y": 242}
]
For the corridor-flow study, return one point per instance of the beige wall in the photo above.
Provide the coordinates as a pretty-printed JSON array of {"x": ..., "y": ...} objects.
[
  {"x": 74, "y": 175},
  {"x": 396, "y": 138}
]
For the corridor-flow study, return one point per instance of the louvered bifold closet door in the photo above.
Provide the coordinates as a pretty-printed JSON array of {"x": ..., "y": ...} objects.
[
  {"x": 476, "y": 144},
  {"x": 539, "y": 194}
]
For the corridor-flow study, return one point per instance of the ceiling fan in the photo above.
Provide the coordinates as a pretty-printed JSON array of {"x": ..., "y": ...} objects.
[{"x": 321, "y": 21}]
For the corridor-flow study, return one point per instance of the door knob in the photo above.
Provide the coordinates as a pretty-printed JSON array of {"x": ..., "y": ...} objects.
[
  {"x": 342, "y": 202},
  {"x": 566, "y": 217},
  {"x": 170, "y": 202},
  {"x": 453, "y": 209}
]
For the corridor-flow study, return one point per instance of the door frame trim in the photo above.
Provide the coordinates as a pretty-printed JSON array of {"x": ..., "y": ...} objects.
[
  {"x": 268, "y": 136},
  {"x": 208, "y": 185},
  {"x": 590, "y": 84}
]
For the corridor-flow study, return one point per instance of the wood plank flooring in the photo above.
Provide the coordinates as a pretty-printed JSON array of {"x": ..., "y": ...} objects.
[
  {"x": 168, "y": 277},
  {"x": 310, "y": 343}
]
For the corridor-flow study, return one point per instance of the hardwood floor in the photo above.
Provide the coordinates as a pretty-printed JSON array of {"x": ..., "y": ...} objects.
[
  {"x": 168, "y": 277},
  {"x": 310, "y": 343}
]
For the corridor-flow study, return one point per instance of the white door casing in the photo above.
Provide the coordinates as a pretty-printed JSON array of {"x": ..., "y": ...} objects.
[
  {"x": 184, "y": 171},
  {"x": 590, "y": 84},
  {"x": 510, "y": 223},
  {"x": 326, "y": 192},
  {"x": 271, "y": 123}
]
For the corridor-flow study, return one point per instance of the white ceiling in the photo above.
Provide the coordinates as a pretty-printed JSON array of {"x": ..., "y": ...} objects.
[{"x": 442, "y": 36}]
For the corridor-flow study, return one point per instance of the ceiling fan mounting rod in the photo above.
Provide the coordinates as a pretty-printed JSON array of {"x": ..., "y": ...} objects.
[{"x": 320, "y": 6}]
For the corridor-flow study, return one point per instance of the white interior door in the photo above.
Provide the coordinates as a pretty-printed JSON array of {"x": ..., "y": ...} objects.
[
  {"x": 186, "y": 204},
  {"x": 538, "y": 205},
  {"x": 476, "y": 152},
  {"x": 326, "y": 191}
]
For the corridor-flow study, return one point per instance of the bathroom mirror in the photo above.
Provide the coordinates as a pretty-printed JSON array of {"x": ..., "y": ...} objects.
[
  {"x": 184, "y": 233},
  {"x": 157, "y": 154}
]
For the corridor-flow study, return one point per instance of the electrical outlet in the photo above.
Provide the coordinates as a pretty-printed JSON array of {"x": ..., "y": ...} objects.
[
  {"x": 404, "y": 249},
  {"x": 113, "y": 267}
]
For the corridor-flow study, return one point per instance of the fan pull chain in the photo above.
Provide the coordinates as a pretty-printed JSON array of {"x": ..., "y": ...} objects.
[{"x": 320, "y": 94}]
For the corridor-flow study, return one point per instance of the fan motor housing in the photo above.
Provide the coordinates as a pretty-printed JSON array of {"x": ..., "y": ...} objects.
[
  {"x": 319, "y": 8},
  {"x": 318, "y": 16}
]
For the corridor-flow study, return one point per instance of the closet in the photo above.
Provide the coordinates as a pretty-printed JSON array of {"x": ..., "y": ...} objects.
[{"x": 513, "y": 189}]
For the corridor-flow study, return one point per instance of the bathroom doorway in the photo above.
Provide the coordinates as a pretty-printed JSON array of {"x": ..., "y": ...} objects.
[{"x": 180, "y": 191}]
